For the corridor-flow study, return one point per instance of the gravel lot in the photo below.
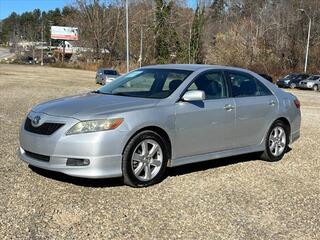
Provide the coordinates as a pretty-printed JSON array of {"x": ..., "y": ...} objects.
[{"x": 232, "y": 198}]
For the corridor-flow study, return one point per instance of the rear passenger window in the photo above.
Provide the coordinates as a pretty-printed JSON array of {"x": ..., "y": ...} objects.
[
  {"x": 244, "y": 85},
  {"x": 262, "y": 89}
]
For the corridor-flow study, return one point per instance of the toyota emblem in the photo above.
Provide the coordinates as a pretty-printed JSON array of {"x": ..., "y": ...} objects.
[{"x": 36, "y": 121}]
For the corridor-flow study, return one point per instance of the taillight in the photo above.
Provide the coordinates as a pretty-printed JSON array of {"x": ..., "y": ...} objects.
[{"x": 297, "y": 103}]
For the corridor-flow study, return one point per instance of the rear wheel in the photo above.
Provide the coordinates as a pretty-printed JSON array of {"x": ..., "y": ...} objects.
[
  {"x": 144, "y": 159},
  {"x": 315, "y": 88},
  {"x": 276, "y": 144}
]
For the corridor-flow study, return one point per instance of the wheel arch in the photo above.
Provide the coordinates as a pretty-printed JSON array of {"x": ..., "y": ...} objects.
[
  {"x": 281, "y": 118},
  {"x": 157, "y": 130},
  {"x": 286, "y": 122}
]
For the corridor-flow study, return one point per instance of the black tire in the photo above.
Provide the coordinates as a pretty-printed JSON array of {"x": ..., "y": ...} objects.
[
  {"x": 293, "y": 85},
  {"x": 128, "y": 175},
  {"x": 315, "y": 88},
  {"x": 267, "y": 155}
]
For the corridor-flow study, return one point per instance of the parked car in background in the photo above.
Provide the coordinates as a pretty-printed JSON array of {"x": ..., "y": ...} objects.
[
  {"x": 292, "y": 80},
  {"x": 161, "y": 116},
  {"x": 312, "y": 82},
  {"x": 266, "y": 76},
  {"x": 104, "y": 76}
]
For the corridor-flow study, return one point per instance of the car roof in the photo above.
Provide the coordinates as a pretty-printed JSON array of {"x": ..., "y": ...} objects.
[
  {"x": 192, "y": 67},
  {"x": 107, "y": 69}
]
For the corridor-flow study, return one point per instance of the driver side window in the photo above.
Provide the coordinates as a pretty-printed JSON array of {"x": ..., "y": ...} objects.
[
  {"x": 142, "y": 83},
  {"x": 212, "y": 83}
]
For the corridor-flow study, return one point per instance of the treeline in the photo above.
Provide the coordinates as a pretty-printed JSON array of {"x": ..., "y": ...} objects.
[{"x": 264, "y": 35}]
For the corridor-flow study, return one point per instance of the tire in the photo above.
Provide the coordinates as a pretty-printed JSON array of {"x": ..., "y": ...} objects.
[
  {"x": 276, "y": 146},
  {"x": 315, "y": 88},
  {"x": 293, "y": 85},
  {"x": 141, "y": 166}
]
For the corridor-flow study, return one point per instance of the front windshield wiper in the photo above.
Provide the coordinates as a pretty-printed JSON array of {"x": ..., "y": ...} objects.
[
  {"x": 99, "y": 92},
  {"x": 121, "y": 94}
]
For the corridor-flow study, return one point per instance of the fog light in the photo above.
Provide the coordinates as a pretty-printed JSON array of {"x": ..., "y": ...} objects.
[{"x": 77, "y": 162}]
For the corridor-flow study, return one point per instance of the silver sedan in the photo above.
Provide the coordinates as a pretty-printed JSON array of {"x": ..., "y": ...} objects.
[
  {"x": 312, "y": 82},
  {"x": 157, "y": 117}
]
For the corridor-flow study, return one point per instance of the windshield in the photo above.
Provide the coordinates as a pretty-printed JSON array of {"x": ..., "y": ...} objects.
[
  {"x": 313, "y": 78},
  {"x": 146, "y": 83},
  {"x": 110, "y": 72},
  {"x": 291, "y": 76}
]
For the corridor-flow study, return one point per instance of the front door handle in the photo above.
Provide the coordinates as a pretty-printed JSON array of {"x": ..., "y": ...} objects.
[
  {"x": 272, "y": 103},
  {"x": 229, "y": 107}
]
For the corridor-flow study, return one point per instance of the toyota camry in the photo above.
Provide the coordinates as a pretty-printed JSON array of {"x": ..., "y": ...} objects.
[{"x": 157, "y": 117}]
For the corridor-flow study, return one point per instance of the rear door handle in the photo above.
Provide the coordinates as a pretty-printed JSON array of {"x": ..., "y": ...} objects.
[{"x": 229, "y": 107}]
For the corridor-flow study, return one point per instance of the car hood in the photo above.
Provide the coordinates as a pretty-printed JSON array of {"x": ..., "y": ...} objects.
[
  {"x": 309, "y": 81},
  {"x": 92, "y": 105},
  {"x": 112, "y": 76},
  {"x": 285, "y": 79}
]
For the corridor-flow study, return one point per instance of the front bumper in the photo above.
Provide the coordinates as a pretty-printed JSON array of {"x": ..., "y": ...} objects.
[
  {"x": 305, "y": 86},
  {"x": 283, "y": 84},
  {"x": 103, "y": 149},
  {"x": 100, "y": 167}
]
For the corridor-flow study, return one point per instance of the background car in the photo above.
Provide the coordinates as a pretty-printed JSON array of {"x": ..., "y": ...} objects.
[
  {"x": 312, "y": 82},
  {"x": 266, "y": 76},
  {"x": 104, "y": 75},
  {"x": 292, "y": 80}
]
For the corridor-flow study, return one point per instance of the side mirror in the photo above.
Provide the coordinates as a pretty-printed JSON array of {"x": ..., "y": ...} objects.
[{"x": 194, "y": 95}]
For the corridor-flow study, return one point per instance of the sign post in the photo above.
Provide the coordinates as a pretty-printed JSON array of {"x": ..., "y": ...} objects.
[{"x": 63, "y": 50}]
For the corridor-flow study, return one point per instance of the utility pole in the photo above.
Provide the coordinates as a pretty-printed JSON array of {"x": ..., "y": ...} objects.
[
  {"x": 308, "y": 45},
  {"x": 50, "y": 25},
  {"x": 141, "y": 47},
  {"x": 41, "y": 42},
  {"x": 308, "y": 41},
  {"x": 63, "y": 50},
  {"x": 189, "y": 50},
  {"x": 127, "y": 33}
]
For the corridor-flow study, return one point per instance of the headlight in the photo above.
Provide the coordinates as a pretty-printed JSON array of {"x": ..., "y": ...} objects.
[
  {"x": 287, "y": 81},
  {"x": 95, "y": 126},
  {"x": 310, "y": 84}
]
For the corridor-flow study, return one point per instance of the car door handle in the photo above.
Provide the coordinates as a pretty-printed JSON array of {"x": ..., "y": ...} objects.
[
  {"x": 229, "y": 107},
  {"x": 272, "y": 103}
]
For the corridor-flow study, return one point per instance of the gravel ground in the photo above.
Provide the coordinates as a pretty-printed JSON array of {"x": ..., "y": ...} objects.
[{"x": 232, "y": 198}]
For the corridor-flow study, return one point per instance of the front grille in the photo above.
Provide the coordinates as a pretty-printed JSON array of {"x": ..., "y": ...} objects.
[
  {"x": 44, "y": 129},
  {"x": 38, "y": 156}
]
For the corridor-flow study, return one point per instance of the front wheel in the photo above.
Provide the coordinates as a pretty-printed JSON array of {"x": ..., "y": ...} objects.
[
  {"x": 293, "y": 85},
  {"x": 276, "y": 144},
  {"x": 144, "y": 160},
  {"x": 315, "y": 88}
]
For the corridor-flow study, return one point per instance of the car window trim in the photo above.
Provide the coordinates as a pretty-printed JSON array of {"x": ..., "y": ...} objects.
[{"x": 205, "y": 72}]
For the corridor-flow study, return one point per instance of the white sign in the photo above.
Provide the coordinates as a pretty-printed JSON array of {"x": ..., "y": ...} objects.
[{"x": 64, "y": 33}]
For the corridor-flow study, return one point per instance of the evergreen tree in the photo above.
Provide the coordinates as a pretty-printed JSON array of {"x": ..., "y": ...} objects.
[
  {"x": 162, "y": 30},
  {"x": 196, "y": 33}
]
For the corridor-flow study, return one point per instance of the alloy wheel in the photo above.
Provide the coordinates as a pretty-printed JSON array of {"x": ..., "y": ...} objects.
[
  {"x": 277, "y": 141},
  {"x": 315, "y": 87},
  {"x": 147, "y": 160}
]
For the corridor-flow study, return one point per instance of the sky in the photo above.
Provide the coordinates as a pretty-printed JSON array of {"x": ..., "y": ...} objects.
[{"x": 20, "y": 6}]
